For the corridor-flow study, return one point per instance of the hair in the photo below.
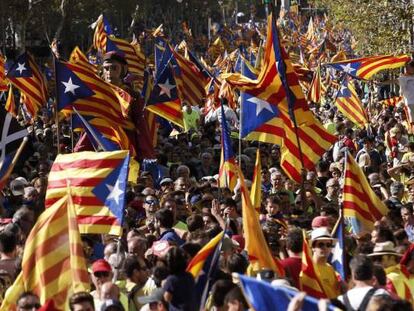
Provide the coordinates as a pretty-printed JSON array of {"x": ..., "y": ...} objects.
[
  {"x": 195, "y": 222},
  {"x": 273, "y": 199},
  {"x": 159, "y": 274},
  {"x": 385, "y": 234},
  {"x": 130, "y": 264},
  {"x": 408, "y": 207},
  {"x": 362, "y": 268},
  {"x": 176, "y": 260},
  {"x": 165, "y": 217},
  {"x": 237, "y": 263},
  {"x": 236, "y": 294},
  {"x": 8, "y": 241},
  {"x": 294, "y": 240},
  {"x": 229, "y": 202},
  {"x": 80, "y": 297},
  {"x": 24, "y": 295},
  {"x": 379, "y": 273},
  {"x": 191, "y": 248},
  {"x": 220, "y": 290}
]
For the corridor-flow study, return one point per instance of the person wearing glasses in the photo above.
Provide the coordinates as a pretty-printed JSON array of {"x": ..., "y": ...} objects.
[{"x": 322, "y": 244}]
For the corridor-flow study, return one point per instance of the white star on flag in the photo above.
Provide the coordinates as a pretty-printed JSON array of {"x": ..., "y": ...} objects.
[
  {"x": 115, "y": 192},
  {"x": 337, "y": 254},
  {"x": 166, "y": 88},
  {"x": 70, "y": 87},
  {"x": 343, "y": 89},
  {"x": 20, "y": 68},
  {"x": 260, "y": 105},
  {"x": 348, "y": 68}
]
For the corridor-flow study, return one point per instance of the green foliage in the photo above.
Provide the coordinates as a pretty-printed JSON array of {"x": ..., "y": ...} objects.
[{"x": 378, "y": 26}]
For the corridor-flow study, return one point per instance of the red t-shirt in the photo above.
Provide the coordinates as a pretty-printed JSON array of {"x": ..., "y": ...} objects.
[{"x": 292, "y": 266}]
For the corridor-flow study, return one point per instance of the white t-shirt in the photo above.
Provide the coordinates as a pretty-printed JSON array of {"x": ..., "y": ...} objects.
[
  {"x": 407, "y": 88},
  {"x": 356, "y": 295}
]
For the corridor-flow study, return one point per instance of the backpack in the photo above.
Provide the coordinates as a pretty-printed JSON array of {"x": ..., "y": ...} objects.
[{"x": 364, "y": 302}]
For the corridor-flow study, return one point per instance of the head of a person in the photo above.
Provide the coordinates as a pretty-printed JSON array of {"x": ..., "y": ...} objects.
[
  {"x": 166, "y": 184},
  {"x": 294, "y": 241},
  {"x": 397, "y": 189},
  {"x": 384, "y": 254},
  {"x": 237, "y": 263},
  {"x": 407, "y": 214},
  {"x": 151, "y": 204},
  {"x": 114, "y": 68},
  {"x": 180, "y": 184},
  {"x": 137, "y": 246},
  {"x": 8, "y": 243},
  {"x": 135, "y": 271},
  {"x": 109, "y": 291},
  {"x": 409, "y": 67},
  {"x": 40, "y": 184},
  {"x": 183, "y": 171},
  {"x": 229, "y": 208},
  {"x": 164, "y": 219},
  {"x": 332, "y": 187},
  {"x": 176, "y": 260},
  {"x": 25, "y": 218},
  {"x": 272, "y": 204},
  {"x": 362, "y": 268},
  {"x": 81, "y": 301},
  {"x": 276, "y": 179},
  {"x": 322, "y": 243},
  {"x": 101, "y": 273},
  {"x": 28, "y": 301},
  {"x": 219, "y": 292},
  {"x": 206, "y": 159},
  {"x": 155, "y": 301},
  {"x": 235, "y": 300}
]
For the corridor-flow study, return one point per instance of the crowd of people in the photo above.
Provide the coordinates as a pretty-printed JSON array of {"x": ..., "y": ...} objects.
[{"x": 171, "y": 214}]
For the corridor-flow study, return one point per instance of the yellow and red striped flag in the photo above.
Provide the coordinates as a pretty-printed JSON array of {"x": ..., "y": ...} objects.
[
  {"x": 102, "y": 30},
  {"x": 190, "y": 81},
  {"x": 25, "y": 75},
  {"x": 360, "y": 203},
  {"x": 392, "y": 102},
  {"x": 3, "y": 80},
  {"x": 98, "y": 181},
  {"x": 78, "y": 57},
  {"x": 367, "y": 67},
  {"x": 309, "y": 277},
  {"x": 350, "y": 106},
  {"x": 256, "y": 191},
  {"x": 53, "y": 263},
  {"x": 315, "y": 89},
  {"x": 10, "y": 105},
  {"x": 256, "y": 246}
]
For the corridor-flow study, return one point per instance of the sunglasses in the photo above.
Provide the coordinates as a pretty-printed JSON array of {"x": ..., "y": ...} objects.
[
  {"x": 101, "y": 274},
  {"x": 322, "y": 245},
  {"x": 31, "y": 306},
  {"x": 151, "y": 202}
]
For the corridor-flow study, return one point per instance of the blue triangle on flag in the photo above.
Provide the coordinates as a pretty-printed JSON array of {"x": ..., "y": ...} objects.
[
  {"x": 21, "y": 68},
  {"x": 70, "y": 86},
  {"x": 111, "y": 191}
]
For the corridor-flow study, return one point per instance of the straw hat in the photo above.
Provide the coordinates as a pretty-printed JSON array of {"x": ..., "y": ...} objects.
[{"x": 384, "y": 248}]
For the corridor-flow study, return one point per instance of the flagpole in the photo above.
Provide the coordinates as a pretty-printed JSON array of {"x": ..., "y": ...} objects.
[
  {"x": 18, "y": 152},
  {"x": 240, "y": 138},
  {"x": 56, "y": 103}
]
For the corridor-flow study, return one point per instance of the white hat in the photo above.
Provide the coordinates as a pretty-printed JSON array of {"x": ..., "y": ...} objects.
[
  {"x": 384, "y": 248},
  {"x": 321, "y": 233},
  {"x": 17, "y": 187}
]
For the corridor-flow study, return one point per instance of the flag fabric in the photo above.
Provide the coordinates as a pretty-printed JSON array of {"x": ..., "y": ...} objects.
[
  {"x": 262, "y": 296},
  {"x": 164, "y": 100},
  {"x": 102, "y": 31},
  {"x": 25, "y": 75},
  {"x": 256, "y": 246},
  {"x": 228, "y": 166},
  {"x": 98, "y": 139},
  {"x": 3, "y": 80},
  {"x": 10, "y": 105},
  {"x": 204, "y": 264},
  {"x": 315, "y": 89},
  {"x": 256, "y": 191},
  {"x": 193, "y": 82},
  {"x": 367, "y": 67},
  {"x": 98, "y": 183},
  {"x": 78, "y": 57},
  {"x": 53, "y": 263},
  {"x": 349, "y": 104},
  {"x": 159, "y": 48},
  {"x": 78, "y": 86},
  {"x": 362, "y": 207},
  {"x": 12, "y": 135},
  {"x": 309, "y": 277},
  {"x": 392, "y": 102},
  {"x": 338, "y": 253}
]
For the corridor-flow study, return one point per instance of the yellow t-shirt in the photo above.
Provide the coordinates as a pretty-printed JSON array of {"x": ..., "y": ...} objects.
[{"x": 329, "y": 280}]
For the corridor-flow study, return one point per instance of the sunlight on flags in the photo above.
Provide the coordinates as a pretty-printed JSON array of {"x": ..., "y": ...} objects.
[
  {"x": 98, "y": 184},
  {"x": 262, "y": 296},
  {"x": 309, "y": 278},
  {"x": 315, "y": 89},
  {"x": 228, "y": 167},
  {"x": 10, "y": 105},
  {"x": 3, "y": 81},
  {"x": 260, "y": 256},
  {"x": 256, "y": 191},
  {"x": 350, "y": 105},
  {"x": 26, "y": 76},
  {"x": 102, "y": 30},
  {"x": 53, "y": 263},
  {"x": 204, "y": 264},
  {"x": 367, "y": 67},
  {"x": 362, "y": 207}
]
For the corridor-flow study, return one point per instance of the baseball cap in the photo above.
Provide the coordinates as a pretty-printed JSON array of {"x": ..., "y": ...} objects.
[
  {"x": 156, "y": 295},
  {"x": 166, "y": 180},
  {"x": 17, "y": 187},
  {"x": 320, "y": 221},
  {"x": 101, "y": 265}
]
